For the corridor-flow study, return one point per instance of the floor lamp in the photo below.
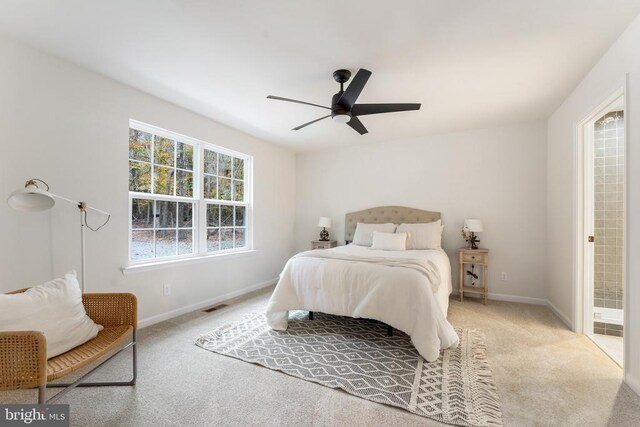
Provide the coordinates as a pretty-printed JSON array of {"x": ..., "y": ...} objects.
[{"x": 32, "y": 198}]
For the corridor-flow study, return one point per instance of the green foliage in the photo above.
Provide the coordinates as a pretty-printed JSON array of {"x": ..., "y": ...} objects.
[
  {"x": 139, "y": 177},
  {"x": 224, "y": 165},
  {"x": 139, "y": 145}
]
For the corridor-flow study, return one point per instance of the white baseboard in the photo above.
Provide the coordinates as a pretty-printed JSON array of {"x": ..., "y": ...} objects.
[
  {"x": 509, "y": 298},
  {"x": 516, "y": 298},
  {"x": 633, "y": 383},
  {"x": 202, "y": 304},
  {"x": 528, "y": 300},
  {"x": 560, "y": 315}
]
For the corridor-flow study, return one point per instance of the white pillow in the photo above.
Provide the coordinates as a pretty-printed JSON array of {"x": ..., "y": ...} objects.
[
  {"x": 364, "y": 232},
  {"x": 54, "y": 308},
  {"x": 389, "y": 241},
  {"x": 423, "y": 236}
]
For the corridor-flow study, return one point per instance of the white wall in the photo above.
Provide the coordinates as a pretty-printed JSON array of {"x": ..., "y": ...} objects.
[
  {"x": 498, "y": 175},
  {"x": 603, "y": 80},
  {"x": 69, "y": 126}
]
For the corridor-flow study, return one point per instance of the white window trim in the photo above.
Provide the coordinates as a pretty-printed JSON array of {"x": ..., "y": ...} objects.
[
  {"x": 165, "y": 263},
  {"x": 200, "y": 203}
]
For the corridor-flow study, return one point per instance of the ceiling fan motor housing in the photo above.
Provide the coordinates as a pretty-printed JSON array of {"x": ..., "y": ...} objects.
[{"x": 337, "y": 109}]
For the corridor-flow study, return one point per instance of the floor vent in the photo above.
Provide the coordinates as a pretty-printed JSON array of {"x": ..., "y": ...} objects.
[{"x": 214, "y": 308}]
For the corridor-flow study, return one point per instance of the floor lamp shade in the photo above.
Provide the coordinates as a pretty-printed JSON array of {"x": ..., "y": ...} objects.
[{"x": 31, "y": 198}]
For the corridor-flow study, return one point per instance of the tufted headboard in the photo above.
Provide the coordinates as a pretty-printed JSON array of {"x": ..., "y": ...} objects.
[{"x": 384, "y": 214}]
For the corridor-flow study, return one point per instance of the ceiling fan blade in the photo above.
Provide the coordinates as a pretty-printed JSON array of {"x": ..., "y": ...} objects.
[
  {"x": 279, "y": 98},
  {"x": 357, "y": 125},
  {"x": 364, "y": 109},
  {"x": 352, "y": 93},
  {"x": 311, "y": 122}
]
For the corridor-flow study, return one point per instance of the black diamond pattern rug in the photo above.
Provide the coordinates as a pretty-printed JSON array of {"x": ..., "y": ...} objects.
[{"x": 357, "y": 356}]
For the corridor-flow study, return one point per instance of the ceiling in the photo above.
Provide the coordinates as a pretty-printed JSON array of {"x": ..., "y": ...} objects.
[{"x": 472, "y": 64}]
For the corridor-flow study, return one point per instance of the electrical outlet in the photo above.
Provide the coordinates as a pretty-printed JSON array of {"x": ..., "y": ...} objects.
[
  {"x": 166, "y": 290},
  {"x": 504, "y": 276}
]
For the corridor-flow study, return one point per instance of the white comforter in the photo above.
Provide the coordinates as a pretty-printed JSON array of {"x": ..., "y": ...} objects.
[{"x": 405, "y": 289}]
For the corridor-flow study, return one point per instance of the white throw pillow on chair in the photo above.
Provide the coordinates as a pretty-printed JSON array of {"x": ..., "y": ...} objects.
[{"x": 54, "y": 308}]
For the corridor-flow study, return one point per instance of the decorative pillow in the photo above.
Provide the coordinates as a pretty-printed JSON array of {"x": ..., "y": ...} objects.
[
  {"x": 389, "y": 241},
  {"x": 364, "y": 232},
  {"x": 423, "y": 236},
  {"x": 54, "y": 308}
]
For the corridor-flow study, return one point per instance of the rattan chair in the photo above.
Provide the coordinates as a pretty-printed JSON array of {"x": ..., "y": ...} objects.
[{"x": 23, "y": 354}]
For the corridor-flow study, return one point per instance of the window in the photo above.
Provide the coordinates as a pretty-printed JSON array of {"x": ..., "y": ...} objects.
[{"x": 186, "y": 197}]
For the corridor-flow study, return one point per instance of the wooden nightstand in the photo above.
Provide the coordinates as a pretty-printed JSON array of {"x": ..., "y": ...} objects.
[
  {"x": 475, "y": 258},
  {"x": 323, "y": 244}
]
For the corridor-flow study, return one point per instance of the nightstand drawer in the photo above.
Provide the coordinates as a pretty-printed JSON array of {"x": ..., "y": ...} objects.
[
  {"x": 321, "y": 244},
  {"x": 473, "y": 257}
]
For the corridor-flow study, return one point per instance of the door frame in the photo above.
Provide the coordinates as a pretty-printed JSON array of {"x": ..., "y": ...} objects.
[{"x": 583, "y": 274}]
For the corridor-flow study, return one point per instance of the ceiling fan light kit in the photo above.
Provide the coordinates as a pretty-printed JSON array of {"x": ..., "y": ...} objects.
[
  {"x": 343, "y": 104},
  {"x": 341, "y": 118}
]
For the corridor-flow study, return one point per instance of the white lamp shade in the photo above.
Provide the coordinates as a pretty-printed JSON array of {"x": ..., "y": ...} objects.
[
  {"x": 324, "y": 222},
  {"x": 474, "y": 225},
  {"x": 31, "y": 199}
]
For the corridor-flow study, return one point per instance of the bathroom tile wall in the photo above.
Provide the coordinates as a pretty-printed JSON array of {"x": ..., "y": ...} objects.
[{"x": 608, "y": 214}]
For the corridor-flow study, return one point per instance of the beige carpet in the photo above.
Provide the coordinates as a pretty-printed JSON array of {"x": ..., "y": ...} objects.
[{"x": 545, "y": 375}]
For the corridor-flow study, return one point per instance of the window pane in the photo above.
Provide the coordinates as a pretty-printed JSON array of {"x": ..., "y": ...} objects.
[
  {"x": 165, "y": 243},
  {"x": 163, "y": 180},
  {"x": 226, "y": 238},
  {"x": 210, "y": 162},
  {"x": 226, "y": 216},
  {"x": 213, "y": 215},
  {"x": 213, "y": 239},
  {"x": 239, "y": 216},
  {"x": 185, "y": 215},
  {"x": 142, "y": 245},
  {"x": 139, "y": 145},
  {"x": 238, "y": 168},
  {"x": 224, "y": 189},
  {"x": 185, "y": 242},
  {"x": 238, "y": 191},
  {"x": 184, "y": 156},
  {"x": 141, "y": 213},
  {"x": 139, "y": 177},
  {"x": 164, "y": 151},
  {"x": 240, "y": 239},
  {"x": 165, "y": 214},
  {"x": 184, "y": 183},
  {"x": 224, "y": 165},
  {"x": 210, "y": 187}
]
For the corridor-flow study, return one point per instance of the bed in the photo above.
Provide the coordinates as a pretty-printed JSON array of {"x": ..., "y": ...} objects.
[{"x": 408, "y": 290}]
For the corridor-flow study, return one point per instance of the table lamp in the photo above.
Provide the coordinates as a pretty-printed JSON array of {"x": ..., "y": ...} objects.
[{"x": 325, "y": 223}]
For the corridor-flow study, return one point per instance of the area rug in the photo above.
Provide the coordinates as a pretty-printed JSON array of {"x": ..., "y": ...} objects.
[{"x": 357, "y": 356}]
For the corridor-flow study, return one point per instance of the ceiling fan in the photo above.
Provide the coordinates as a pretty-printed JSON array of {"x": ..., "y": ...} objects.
[{"x": 343, "y": 104}]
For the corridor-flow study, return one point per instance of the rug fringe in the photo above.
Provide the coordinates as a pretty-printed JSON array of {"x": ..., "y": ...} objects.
[{"x": 483, "y": 388}]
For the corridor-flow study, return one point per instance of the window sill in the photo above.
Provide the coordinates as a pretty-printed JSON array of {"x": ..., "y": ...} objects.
[{"x": 140, "y": 268}]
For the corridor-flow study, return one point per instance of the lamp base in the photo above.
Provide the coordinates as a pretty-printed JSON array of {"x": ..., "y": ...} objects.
[
  {"x": 473, "y": 240},
  {"x": 324, "y": 235}
]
